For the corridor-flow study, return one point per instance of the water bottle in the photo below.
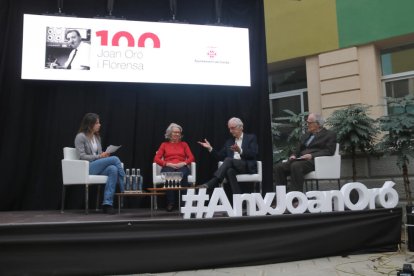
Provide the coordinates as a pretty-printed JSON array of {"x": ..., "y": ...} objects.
[
  {"x": 134, "y": 183},
  {"x": 139, "y": 180},
  {"x": 127, "y": 181}
]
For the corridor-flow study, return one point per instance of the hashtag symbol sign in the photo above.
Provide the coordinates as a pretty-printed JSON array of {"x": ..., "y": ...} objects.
[{"x": 199, "y": 199}]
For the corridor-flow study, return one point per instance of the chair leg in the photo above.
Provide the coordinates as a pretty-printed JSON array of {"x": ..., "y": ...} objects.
[
  {"x": 86, "y": 199},
  {"x": 63, "y": 199},
  {"x": 339, "y": 184},
  {"x": 97, "y": 198},
  {"x": 317, "y": 185}
]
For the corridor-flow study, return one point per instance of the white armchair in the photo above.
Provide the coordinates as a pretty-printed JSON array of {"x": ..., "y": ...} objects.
[
  {"x": 157, "y": 180},
  {"x": 76, "y": 172},
  {"x": 326, "y": 168},
  {"x": 254, "y": 178}
]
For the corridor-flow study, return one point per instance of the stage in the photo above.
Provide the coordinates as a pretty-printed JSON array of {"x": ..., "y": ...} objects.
[{"x": 72, "y": 243}]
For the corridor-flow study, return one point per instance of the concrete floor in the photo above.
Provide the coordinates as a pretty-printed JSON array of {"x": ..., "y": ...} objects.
[{"x": 367, "y": 264}]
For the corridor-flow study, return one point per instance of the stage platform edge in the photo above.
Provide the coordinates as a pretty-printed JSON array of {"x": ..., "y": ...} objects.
[{"x": 163, "y": 245}]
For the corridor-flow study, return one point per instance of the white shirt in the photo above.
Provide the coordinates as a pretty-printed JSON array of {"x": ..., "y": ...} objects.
[
  {"x": 80, "y": 61},
  {"x": 94, "y": 146},
  {"x": 239, "y": 142}
]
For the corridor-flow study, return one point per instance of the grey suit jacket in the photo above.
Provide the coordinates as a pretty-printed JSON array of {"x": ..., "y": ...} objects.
[{"x": 84, "y": 147}]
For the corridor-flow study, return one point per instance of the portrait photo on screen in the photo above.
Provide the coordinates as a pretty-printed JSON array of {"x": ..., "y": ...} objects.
[{"x": 68, "y": 48}]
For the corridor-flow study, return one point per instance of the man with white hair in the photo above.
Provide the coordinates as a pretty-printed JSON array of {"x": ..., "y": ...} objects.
[
  {"x": 239, "y": 154},
  {"x": 318, "y": 141}
]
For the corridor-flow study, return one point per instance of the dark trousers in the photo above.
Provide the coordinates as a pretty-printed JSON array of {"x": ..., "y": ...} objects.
[
  {"x": 296, "y": 170},
  {"x": 229, "y": 169},
  {"x": 172, "y": 195}
]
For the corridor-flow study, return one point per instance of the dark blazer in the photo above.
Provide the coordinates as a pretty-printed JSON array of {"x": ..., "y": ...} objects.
[
  {"x": 249, "y": 147},
  {"x": 324, "y": 144}
]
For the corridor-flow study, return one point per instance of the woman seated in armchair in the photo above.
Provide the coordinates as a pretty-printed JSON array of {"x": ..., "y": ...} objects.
[{"x": 174, "y": 155}]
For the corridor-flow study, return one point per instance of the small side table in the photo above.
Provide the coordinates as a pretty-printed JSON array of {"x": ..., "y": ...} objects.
[
  {"x": 179, "y": 189},
  {"x": 138, "y": 194}
]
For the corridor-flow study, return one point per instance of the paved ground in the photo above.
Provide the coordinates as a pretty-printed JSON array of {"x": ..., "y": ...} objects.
[{"x": 368, "y": 264}]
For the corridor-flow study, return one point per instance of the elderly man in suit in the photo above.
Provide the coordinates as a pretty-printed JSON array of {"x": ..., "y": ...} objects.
[
  {"x": 318, "y": 141},
  {"x": 239, "y": 154}
]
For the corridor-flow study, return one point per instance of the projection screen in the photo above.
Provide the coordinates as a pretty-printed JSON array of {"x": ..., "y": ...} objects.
[{"x": 107, "y": 50}]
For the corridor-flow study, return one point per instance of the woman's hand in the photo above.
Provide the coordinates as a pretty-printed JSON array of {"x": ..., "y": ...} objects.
[
  {"x": 104, "y": 154},
  {"x": 176, "y": 165}
]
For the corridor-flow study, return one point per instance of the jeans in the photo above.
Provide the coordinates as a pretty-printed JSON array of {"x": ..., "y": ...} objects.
[
  {"x": 111, "y": 167},
  {"x": 171, "y": 195}
]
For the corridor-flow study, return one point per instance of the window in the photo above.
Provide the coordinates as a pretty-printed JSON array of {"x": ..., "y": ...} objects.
[
  {"x": 398, "y": 72},
  {"x": 287, "y": 90}
]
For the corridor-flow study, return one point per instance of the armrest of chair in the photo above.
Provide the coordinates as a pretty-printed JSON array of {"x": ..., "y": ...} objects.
[
  {"x": 75, "y": 171},
  {"x": 328, "y": 167},
  {"x": 156, "y": 178},
  {"x": 259, "y": 169}
]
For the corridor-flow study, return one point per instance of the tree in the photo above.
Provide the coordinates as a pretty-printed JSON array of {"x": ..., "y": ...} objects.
[
  {"x": 287, "y": 132},
  {"x": 355, "y": 131},
  {"x": 399, "y": 139}
]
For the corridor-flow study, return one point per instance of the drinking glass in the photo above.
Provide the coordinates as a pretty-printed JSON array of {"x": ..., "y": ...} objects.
[
  {"x": 171, "y": 179},
  {"x": 164, "y": 179},
  {"x": 179, "y": 178},
  {"x": 167, "y": 179},
  {"x": 174, "y": 179}
]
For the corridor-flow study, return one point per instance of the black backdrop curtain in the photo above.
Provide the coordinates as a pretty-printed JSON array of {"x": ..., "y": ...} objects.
[{"x": 39, "y": 118}]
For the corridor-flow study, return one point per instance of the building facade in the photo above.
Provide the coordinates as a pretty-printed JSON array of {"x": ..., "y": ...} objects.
[{"x": 327, "y": 54}]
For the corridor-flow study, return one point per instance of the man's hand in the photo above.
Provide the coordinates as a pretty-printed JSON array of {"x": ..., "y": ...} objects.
[
  {"x": 292, "y": 157},
  {"x": 206, "y": 144},
  {"x": 54, "y": 64},
  {"x": 307, "y": 156},
  {"x": 235, "y": 147}
]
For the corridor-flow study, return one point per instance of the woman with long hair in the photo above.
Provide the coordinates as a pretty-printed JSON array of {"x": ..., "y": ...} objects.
[{"x": 88, "y": 145}]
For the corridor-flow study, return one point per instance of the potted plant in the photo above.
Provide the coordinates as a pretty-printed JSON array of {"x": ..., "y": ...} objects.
[
  {"x": 398, "y": 140},
  {"x": 355, "y": 131},
  {"x": 399, "y": 137},
  {"x": 287, "y": 132}
]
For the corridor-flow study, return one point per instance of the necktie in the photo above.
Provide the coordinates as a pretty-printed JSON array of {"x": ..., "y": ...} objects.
[
  {"x": 310, "y": 139},
  {"x": 73, "y": 57}
]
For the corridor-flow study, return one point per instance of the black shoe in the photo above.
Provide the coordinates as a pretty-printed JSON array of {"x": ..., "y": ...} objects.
[
  {"x": 108, "y": 209},
  {"x": 205, "y": 186},
  {"x": 210, "y": 184},
  {"x": 170, "y": 207}
]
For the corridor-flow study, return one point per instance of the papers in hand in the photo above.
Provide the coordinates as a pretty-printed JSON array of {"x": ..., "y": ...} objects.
[{"x": 112, "y": 149}]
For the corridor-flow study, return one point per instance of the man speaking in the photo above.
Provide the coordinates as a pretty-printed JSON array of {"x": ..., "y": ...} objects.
[{"x": 239, "y": 154}]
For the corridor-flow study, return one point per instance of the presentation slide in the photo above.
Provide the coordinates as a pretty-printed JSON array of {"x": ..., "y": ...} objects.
[{"x": 107, "y": 50}]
